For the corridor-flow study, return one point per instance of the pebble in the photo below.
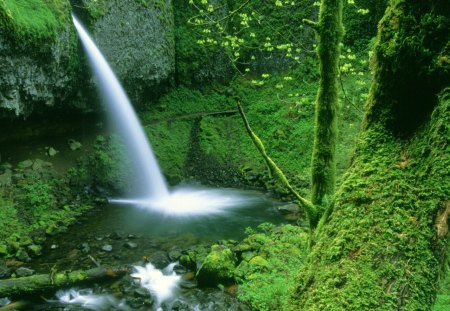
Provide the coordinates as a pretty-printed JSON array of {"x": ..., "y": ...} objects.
[
  {"x": 130, "y": 245},
  {"x": 107, "y": 248}
]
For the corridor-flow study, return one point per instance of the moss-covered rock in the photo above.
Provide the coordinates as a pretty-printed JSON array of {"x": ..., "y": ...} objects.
[
  {"x": 38, "y": 55},
  {"x": 218, "y": 267}
]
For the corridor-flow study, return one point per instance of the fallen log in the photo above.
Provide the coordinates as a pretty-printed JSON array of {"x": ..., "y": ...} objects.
[{"x": 30, "y": 285}]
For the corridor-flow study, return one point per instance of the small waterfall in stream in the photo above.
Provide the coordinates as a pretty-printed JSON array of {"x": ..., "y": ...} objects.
[
  {"x": 151, "y": 190},
  {"x": 150, "y": 183}
]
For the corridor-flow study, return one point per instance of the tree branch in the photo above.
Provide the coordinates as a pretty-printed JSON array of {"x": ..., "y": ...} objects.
[
  {"x": 310, "y": 23},
  {"x": 275, "y": 171}
]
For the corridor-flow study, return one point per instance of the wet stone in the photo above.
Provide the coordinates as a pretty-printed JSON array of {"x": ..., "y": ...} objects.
[
  {"x": 107, "y": 248},
  {"x": 22, "y": 272},
  {"x": 141, "y": 292},
  {"x": 117, "y": 235},
  {"x": 130, "y": 245},
  {"x": 4, "y": 272},
  {"x": 85, "y": 248}
]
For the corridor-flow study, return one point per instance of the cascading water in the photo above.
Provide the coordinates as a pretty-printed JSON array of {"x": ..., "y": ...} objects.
[
  {"x": 150, "y": 183},
  {"x": 152, "y": 192}
]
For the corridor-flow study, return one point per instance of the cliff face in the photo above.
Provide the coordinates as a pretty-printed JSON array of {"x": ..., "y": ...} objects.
[
  {"x": 41, "y": 63},
  {"x": 137, "y": 38},
  {"x": 38, "y": 56}
]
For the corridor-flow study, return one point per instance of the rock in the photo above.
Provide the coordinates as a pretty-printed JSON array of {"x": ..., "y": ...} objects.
[
  {"x": 107, "y": 248},
  {"x": 34, "y": 250},
  {"x": 6, "y": 178},
  {"x": 25, "y": 164},
  {"x": 141, "y": 292},
  {"x": 85, "y": 248},
  {"x": 74, "y": 145},
  {"x": 39, "y": 65},
  {"x": 289, "y": 209},
  {"x": 174, "y": 254},
  {"x": 130, "y": 245},
  {"x": 54, "y": 246},
  {"x": 51, "y": 151},
  {"x": 123, "y": 32},
  {"x": 39, "y": 164},
  {"x": 159, "y": 259},
  {"x": 117, "y": 235},
  {"x": 23, "y": 271},
  {"x": 4, "y": 302},
  {"x": 218, "y": 267},
  {"x": 188, "y": 284},
  {"x": 5, "y": 272}
]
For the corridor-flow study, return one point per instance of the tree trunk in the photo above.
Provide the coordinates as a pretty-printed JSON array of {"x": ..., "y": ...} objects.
[
  {"x": 329, "y": 32},
  {"x": 40, "y": 283},
  {"x": 381, "y": 248}
]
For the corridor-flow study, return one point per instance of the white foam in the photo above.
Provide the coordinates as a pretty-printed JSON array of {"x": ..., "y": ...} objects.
[
  {"x": 87, "y": 299},
  {"x": 161, "y": 284}
]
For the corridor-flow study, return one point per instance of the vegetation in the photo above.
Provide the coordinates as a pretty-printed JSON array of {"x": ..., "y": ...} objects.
[{"x": 34, "y": 20}]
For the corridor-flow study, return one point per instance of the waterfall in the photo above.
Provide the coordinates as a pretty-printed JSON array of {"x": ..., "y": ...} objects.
[{"x": 150, "y": 183}]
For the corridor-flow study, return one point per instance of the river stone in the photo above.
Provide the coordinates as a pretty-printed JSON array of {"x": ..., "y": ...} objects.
[
  {"x": 6, "y": 178},
  {"x": 25, "y": 164},
  {"x": 5, "y": 272},
  {"x": 107, "y": 248},
  {"x": 23, "y": 271},
  {"x": 130, "y": 245},
  {"x": 159, "y": 259},
  {"x": 74, "y": 145},
  {"x": 85, "y": 248}
]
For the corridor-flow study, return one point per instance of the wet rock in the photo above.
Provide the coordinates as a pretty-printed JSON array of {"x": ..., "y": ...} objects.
[
  {"x": 85, "y": 248},
  {"x": 39, "y": 164},
  {"x": 25, "y": 164},
  {"x": 34, "y": 250},
  {"x": 130, "y": 245},
  {"x": 188, "y": 284},
  {"x": 23, "y": 271},
  {"x": 5, "y": 272},
  {"x": 74, "y": 145},
  {"x": 4, "y": 302},
  {"x": 181, "y": 306},
  {"x": 131, "y": 236},
  {"x": 107, "y": 248},
  {"x": 54, "y": 246},
  {"x": 159, "y": 259},
  {"x": 218, "y": 267},
  {"x": 6, "y": 178},
  {"x": 141, "y": 292},
  {"x": 174, "y": 254},
  {"x": 51, "y": 152},
  {"x": 117, "y": 235},
  {"x": 289, "y": 209}
]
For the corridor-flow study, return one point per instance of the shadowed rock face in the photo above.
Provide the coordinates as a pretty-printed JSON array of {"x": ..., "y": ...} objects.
[{"x": 138, "y": 42}]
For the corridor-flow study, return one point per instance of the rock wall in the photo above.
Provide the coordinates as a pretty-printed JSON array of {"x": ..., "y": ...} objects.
[
  {"x": 137, "y": 38},
  {"x": 36, "y": 69}
]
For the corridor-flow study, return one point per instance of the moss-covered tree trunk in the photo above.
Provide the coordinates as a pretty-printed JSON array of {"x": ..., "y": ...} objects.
[
  {"x": 382, "y": 246},
  {"x": 329, "y": 32}
]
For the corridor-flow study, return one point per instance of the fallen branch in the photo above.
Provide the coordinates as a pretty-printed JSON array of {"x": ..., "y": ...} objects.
[
  {"x": 25, "y": 286},
  {"x": 275, "y": 171}
]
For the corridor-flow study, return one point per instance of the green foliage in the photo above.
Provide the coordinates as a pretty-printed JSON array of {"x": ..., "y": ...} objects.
[
  {"x": 34, "y": 20},
  {"x": 266, "y": 273}
]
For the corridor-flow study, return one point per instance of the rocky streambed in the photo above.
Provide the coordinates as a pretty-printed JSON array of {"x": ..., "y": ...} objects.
[{"x": 120, "y": 235}]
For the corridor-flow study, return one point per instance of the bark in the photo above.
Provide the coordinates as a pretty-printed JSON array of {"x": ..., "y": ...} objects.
[
  {"x": 40, "y": 283},
  {"x": 382, "y": 246},
  {"x": 329, "y": 31}
]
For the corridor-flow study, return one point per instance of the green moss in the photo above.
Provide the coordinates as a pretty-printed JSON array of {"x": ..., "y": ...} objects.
[
  {"x": 34, "y": 20},
  {"x": 217, "y": 267}
]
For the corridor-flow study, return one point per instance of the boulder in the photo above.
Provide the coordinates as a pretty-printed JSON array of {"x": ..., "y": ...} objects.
[{"x": 218, "y": 267}]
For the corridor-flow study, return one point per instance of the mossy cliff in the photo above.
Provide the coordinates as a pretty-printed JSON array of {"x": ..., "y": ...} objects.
[
  {"x": 382, "y": 247},
  {"x": 38, "y": 55},
  {"x": 137, "y": 39}
]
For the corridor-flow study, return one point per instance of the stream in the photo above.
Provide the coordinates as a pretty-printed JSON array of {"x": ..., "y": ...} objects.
[{"x": 115, "y": 235}]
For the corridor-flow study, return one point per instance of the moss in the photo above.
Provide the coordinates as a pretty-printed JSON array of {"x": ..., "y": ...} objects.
[
  {"x": 379, "y": 249},
  {"x": 217, "y": 267},
  {"x": 34, "y": 21}
]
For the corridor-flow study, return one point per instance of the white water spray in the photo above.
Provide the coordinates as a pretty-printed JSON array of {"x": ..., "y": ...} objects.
[
  {"x": 150, "y": 183},
  {"x": 152, "y": 191}
]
